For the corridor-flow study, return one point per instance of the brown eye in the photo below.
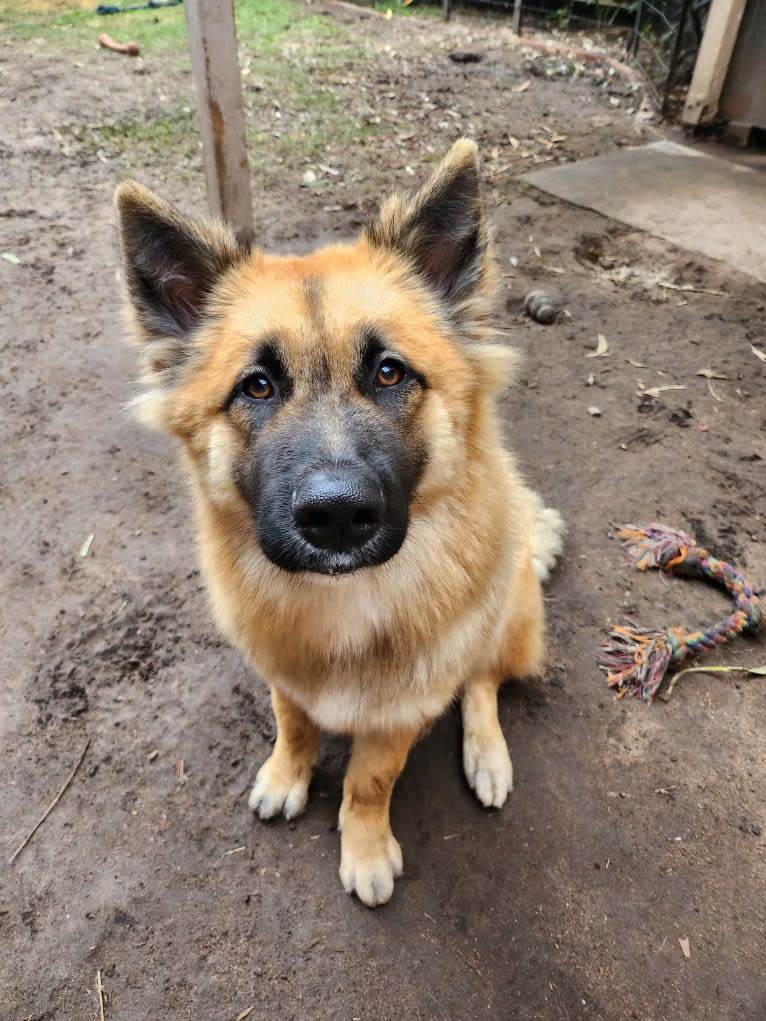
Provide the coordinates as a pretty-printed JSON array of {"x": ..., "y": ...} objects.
[
  {"x": 258, "y": 387},
  {"x": 390, "y": 372}
]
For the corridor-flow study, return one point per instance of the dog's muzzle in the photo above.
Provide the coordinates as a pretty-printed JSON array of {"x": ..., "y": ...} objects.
[
  {"x": 333, "y": 520},
  {"x": 338, "y": 510}
]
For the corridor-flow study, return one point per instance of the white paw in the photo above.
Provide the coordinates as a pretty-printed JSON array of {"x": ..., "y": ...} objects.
[
  {"x": 488, "y": 769},
  {"x": 274, "y": 792},
  {"x": 369, "y": 868},
  {"x": 548, "y": 531}
]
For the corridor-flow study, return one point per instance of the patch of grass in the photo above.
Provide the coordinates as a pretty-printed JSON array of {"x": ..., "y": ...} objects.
[
  {"x": 137, "y": 144},
  {"x": 306, "y": 90},
  {"x": 53, "y": 25},
  {"x": 266, "y": 24},
  {"x": 302, "y": 74}
]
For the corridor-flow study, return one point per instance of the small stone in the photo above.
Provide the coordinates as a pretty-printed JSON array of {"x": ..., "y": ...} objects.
[
  {"x": 540, "y": 306},
  {"x": 594, "y": 411},
  {"x": 465, "y": 56},
  {"x": 756, "y": 829}
]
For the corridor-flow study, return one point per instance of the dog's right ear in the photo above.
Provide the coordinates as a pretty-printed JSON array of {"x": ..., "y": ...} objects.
[{"x": 171, "y": 264}]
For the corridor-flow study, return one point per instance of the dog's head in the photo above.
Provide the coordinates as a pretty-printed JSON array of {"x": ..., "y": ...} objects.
[{"x": 325, "y": 395}]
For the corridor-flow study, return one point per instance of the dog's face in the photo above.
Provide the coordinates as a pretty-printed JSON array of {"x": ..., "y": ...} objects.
[
  {"x": 330, "y": 460},
  {"x": 326, "y": 393}
]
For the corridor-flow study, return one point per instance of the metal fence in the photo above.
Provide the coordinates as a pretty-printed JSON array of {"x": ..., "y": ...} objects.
[{"x": 661, "y": 36}]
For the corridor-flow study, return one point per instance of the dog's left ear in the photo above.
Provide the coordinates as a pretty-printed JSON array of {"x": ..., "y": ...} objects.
[{"x": 441, "y": 229}]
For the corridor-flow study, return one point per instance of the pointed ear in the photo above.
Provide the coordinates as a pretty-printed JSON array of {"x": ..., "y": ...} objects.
[
  {"x": 171, "y": 263},
  {"x": 441, "y": 229}
]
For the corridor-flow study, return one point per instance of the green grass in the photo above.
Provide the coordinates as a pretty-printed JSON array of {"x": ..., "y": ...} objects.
[
  {"x": 137, "y": 144},
  {"x": 298, "y": 70},
  {"x": 266, "y": 25},
  {"x": 161, "y": 31}
]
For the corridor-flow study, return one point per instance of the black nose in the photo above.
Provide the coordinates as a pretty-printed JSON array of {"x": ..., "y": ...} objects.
[{"x": 338, "y": 509}]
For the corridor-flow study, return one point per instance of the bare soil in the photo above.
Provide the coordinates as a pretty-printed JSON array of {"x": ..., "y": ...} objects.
[{"x": 631, "y": 828}]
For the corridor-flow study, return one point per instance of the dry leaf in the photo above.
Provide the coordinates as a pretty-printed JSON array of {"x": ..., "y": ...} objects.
[
  {"x": 85, "y": 548},
  {"x": 523, "y": 87},
  {"x": 709, "y": 375},
  {"x": 686, "y": 949},
  {"x": 655, "y": 391},
  {"x": 602, "y": 348},
  {"x": 758, "y": 353},
  {"x": 515, "y": 143}
]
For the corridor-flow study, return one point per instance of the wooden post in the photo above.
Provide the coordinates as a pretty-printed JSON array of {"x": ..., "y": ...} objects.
[
  {"x": 713, "y": 60},
  {"x": 213, "y": 49},
  {"x": 516, "y": 23}
]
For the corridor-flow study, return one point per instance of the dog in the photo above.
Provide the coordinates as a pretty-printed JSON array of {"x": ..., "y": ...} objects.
[{"x": 367, "y": 540}]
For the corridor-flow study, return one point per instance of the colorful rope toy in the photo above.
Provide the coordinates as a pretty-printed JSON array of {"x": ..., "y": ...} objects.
[{"x": 636, "y": 659}]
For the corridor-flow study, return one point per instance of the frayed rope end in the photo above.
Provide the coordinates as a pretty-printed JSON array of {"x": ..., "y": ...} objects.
[
  {"x": 636, "y": 659},
  {"x": 655, "y": 546}
]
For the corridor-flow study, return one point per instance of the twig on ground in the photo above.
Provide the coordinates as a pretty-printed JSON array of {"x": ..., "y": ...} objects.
[
  {"x": 689, "y": 287},
  {"x": 50, "y": 807},
  {"x": 100, "y": 993},
  {"x": 469, "y": 963}
]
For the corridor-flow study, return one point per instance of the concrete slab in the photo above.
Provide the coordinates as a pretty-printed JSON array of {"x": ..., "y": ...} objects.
[{"x": 704, "y": 204}]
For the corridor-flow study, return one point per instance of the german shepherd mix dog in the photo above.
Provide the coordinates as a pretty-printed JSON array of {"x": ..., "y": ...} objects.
[{"x": 367, "y": 541}]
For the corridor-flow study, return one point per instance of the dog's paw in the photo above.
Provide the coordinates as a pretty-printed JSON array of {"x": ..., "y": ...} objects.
[
  {"x": 369, "y": 864},
  {"x": 488, "y": 768},
  {"x": 276, "y": 791}
]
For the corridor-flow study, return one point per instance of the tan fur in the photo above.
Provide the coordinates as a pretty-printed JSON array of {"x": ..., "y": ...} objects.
[{"x": 376, "y": 654}]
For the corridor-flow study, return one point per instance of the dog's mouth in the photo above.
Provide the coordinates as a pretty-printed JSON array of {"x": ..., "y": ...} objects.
[
  {"x": 334, "y": 564},
  {"x": 335, "y": 521}
]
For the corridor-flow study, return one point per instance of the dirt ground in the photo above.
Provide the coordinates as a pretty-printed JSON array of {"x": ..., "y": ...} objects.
[{"x": 631, "y": 828}]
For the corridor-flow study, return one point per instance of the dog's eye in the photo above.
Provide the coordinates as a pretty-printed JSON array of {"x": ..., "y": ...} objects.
[
  {"x": 258, "y": 387},
  {"x": 390, "y": 372}
]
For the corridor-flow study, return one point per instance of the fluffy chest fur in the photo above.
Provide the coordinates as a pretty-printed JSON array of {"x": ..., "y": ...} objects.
[{"x": 388, "y": 645}]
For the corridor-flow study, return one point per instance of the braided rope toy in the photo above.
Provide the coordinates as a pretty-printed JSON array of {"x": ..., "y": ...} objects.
[{"x": 636, "y": 659}]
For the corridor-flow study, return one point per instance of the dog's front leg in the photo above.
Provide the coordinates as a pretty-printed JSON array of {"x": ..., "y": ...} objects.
[
  {"x": 282, "y": 783},
  {"x": 486, "y": 760},
  {"x": 370, "y": 856}
]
